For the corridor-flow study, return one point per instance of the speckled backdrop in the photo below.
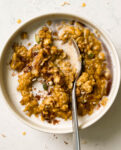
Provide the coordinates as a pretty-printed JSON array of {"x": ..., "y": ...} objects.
[{"x": 103, "y": 135}]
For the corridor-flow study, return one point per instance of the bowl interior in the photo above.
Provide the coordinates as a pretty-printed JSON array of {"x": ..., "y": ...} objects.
[{"x": 9, "y": 83}]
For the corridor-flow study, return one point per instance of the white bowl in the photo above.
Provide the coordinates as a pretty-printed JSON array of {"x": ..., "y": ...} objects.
[{"x": 8, "y": 83}]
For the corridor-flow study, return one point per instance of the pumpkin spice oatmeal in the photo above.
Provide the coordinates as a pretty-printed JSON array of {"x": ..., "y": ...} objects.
[{"x": 46, "y": 61}]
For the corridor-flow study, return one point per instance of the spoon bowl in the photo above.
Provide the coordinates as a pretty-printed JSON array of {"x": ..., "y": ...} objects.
[{"x": 76, "y": 137}]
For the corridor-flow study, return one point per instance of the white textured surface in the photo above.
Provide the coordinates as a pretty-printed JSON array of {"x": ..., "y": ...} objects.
[{"x": 106, "y": 133}]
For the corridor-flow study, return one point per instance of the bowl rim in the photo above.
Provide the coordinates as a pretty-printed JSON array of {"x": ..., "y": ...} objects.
[{"x": 88, "y": 22}]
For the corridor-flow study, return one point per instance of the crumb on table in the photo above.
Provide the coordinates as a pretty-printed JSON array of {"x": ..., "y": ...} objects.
[
  {"x": 83, "y": 4},
  {"x": 65, "y": 3},
  {"x": 3, "y": 135},
  {"x": 66, "y": 142},
  {"x": 55, "y": 136},
  {"x": 24, "y": 133},
  {"x": 19, "y": 21}
]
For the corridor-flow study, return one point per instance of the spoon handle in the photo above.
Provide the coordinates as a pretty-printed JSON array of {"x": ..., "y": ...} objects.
[{"x": 76, "y": 138}]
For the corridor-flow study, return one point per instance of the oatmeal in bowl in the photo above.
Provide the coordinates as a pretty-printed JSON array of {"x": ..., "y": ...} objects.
[
  {"x": 45, "y": 60},
  {"x": 45, "y": 57}
]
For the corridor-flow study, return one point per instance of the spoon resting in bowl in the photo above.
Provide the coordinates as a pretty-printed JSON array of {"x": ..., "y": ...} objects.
[{"x": 76, "y": 137}]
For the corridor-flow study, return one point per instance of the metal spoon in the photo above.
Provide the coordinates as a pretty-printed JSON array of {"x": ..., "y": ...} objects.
[{"x": 76, "y": 137}]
